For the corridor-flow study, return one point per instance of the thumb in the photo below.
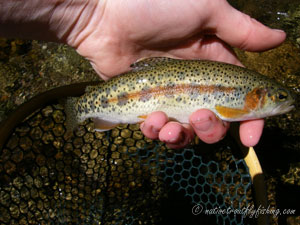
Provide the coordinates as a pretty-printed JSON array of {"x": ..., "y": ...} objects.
[{"x": 241, "y": 31}]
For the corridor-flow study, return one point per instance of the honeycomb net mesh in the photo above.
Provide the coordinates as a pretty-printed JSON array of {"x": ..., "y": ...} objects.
[{"x": 48, "y": 176}]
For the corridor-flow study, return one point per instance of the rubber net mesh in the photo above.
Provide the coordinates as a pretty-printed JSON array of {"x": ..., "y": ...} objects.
[{"x": 116, "y": 177}]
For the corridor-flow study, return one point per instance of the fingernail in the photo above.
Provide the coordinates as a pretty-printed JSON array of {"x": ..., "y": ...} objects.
[
  {"x": 202, "y": 125},
  {"x": 278, "y": 30}
]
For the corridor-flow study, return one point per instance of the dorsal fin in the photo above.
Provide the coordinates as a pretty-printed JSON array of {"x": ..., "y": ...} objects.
[
  {"x": 91, "y": 88},
  {"x": 144, "y": 63}
]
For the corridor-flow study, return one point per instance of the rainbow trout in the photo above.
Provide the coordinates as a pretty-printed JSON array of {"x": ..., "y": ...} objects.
[{"x": 178, "y": 88}]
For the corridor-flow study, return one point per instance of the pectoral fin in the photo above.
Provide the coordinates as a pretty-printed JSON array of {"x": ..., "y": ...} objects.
[
  {"x": 143, "y": 117},
  {"x": 103, "y": 125},
  {"x": 230, "y": 113}
]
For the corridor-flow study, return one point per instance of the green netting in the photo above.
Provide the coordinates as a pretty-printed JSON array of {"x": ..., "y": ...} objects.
[{"x": 117, "y": 177}]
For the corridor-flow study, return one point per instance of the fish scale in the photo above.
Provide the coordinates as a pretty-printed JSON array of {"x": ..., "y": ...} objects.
[{"x": 178, "y": 88}]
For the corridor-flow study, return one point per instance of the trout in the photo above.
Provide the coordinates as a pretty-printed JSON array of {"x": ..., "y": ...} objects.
[{"x": 178, "y": 88}]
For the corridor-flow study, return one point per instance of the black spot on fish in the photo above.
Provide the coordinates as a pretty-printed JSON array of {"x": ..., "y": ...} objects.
[
  {"x": 145, "y": 94},
  {"x": 114, "y": 87},
  {"x": 193, "y": 93},
  {"x": 92, "y": 106},
  {"x": 122, "y": 98},
  {"x": 178, "y": 99},
  {"x": 104, "y": 102}
]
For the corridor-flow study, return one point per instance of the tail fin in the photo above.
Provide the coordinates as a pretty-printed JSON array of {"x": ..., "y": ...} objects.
[{"x": 71, "y": 114}]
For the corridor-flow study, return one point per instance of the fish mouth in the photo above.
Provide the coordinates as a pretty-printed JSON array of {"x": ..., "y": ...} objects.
[{"x": 284, "y": 108}]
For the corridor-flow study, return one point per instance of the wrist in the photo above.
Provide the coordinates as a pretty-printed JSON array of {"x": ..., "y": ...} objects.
[
  {"x": 50, "y": 20},
  {"x": 76, "y": 20}
]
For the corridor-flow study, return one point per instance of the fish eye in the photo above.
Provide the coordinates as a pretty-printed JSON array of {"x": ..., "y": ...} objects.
[{"x": 282, "y": 95}]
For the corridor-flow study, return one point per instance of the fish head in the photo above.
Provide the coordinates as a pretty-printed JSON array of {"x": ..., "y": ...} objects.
[
  {"x": 259, "y": 102},
  {"x": 277, "y": 100}
]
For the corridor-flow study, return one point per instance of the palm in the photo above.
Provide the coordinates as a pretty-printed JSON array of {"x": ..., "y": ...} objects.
[
  {"x": 157, "y": 28},
  {"x": 174, "y": 29}
]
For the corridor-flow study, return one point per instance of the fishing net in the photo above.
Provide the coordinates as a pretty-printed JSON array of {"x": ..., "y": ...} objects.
[{"x": 117, "y": 177}]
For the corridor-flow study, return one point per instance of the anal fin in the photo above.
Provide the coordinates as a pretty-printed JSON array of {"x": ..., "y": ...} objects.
[
  {"x": 103, "y": 125},
  {"x": 230, "y": 113}
]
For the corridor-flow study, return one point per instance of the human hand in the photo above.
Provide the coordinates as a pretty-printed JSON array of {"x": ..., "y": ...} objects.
[{"x": 120, "y": 32}]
